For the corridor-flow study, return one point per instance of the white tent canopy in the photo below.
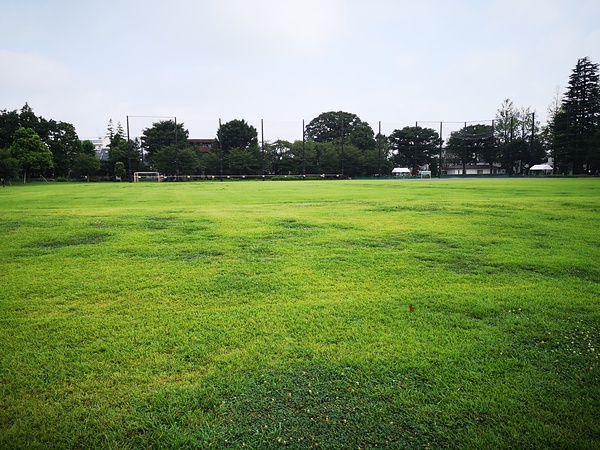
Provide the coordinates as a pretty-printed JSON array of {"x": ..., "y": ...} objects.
[
  {"x": 542, "y": 167},
  {"x": 400, "y": 170}
]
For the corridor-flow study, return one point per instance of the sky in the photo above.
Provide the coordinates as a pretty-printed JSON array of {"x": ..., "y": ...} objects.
[{"x": 391, "y": 62}]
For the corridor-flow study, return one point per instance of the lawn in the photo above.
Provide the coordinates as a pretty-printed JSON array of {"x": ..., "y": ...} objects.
[{"x": 301, "y": 314}]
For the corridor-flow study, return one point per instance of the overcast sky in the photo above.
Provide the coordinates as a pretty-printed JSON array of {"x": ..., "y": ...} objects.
[{"x": 395, "y": 61}]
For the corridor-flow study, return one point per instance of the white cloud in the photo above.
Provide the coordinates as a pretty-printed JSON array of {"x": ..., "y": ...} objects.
[
  {"x": 274, "y": 24},
  {"x": 286, "y": 60},
  {"x": 31, "y": 71}
]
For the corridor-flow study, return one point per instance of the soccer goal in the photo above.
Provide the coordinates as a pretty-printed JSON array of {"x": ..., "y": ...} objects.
[{"x": 146, "y": 176}]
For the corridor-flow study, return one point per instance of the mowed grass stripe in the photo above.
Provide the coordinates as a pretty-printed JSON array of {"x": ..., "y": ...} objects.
[{"x": 270, "y": 314}]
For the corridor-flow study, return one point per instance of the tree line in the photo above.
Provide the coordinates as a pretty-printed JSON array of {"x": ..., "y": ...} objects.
[
  {"x": 33, "y": 146},
  {"x": 335, "y": 142}
]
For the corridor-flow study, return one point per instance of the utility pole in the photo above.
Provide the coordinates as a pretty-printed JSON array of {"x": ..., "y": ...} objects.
[
  {"x": 532, "y": 129},
  {"x": 379, "y": 148},
  {"x": 176, "y": 153},
  {"x": 342, "y": 154},
  {"x": 128, "y": 153},
  {"x": 415, "y": 148},
  {"x": 303, "y": 149},
  {"x": 221, "y": 149},
  {"x": 494, "y": 146},
  {"x": 512, "y": 134},
  {"x": 464, "y": 152},
  {"x": 262, "y": 147},
  {"x": 440, "y": 161}
]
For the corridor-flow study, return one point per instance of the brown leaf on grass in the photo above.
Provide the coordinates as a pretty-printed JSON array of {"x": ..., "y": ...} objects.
[{"x": 411, "y": 308}]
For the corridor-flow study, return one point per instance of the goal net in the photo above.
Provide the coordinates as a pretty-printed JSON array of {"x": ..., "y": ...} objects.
[{"x": 147, "y": 176}]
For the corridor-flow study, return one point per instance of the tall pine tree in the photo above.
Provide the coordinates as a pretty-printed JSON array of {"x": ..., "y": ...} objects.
[{"x": 576, "y": 125}]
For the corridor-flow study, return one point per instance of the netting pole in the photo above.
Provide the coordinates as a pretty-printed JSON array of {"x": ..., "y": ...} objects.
[
  {"x": 262, "y": 147},
  {"x": 440, "y": 162},
  {"x": 342, "y": 153},
  {"x": 128, "y": 153},
  {"x": 176, "y": 152},
  {"x": 303, "y": 149},
  {"x": 379, "y": 148},
  {"x": 221, "y": 148}
]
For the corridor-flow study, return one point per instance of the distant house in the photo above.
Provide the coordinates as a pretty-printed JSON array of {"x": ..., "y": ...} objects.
[
  {"x": 102, "y": 154},
  {"x": 101, "y": 147},
  {"x": 202, "y": 145},
  {"x": 475, "y": 169}
]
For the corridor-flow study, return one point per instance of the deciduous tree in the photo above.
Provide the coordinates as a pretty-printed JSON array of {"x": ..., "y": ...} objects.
[
  {"x": 237, "y": 144},
  {"x": 164, "y": 161},
  {"x": 9, "y": 165},
  {"x": 31, "y": 152},
  {"x": 88, "y": 148},
  {"x": 280, "y": 158},
  {"x": 236, "y": 134},
  {"x": 9, "y": 124},
  {"x": 86, "y": 165},
  {"x": 61, "y": 137},
  {"x": 331, "y": 126},
  {"x": 64, "y": 145},
  {"x": 470, "y": 143},
  {"x": 161, "y": 135},
  {"x": 119, "y": 170},
  {"x": 507, "y": 131},
  {"x": 413, "y": 146},
  {"x": 243, "y": 161}
]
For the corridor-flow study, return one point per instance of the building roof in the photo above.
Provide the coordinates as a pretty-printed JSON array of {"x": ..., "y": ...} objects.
[
  {"x": 102, "y": 154},
  {"x": 541, "y": 167}
]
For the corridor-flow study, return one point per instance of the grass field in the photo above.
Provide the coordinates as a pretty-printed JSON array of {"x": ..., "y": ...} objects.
[{"x": 276, "y": 314}]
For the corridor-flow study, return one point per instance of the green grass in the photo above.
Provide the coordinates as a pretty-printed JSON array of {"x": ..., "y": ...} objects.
[{"x": 276, "y": 314}]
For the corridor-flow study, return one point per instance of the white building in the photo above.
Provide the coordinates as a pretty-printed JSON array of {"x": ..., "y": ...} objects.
[{"x": 475, "y": 169}]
